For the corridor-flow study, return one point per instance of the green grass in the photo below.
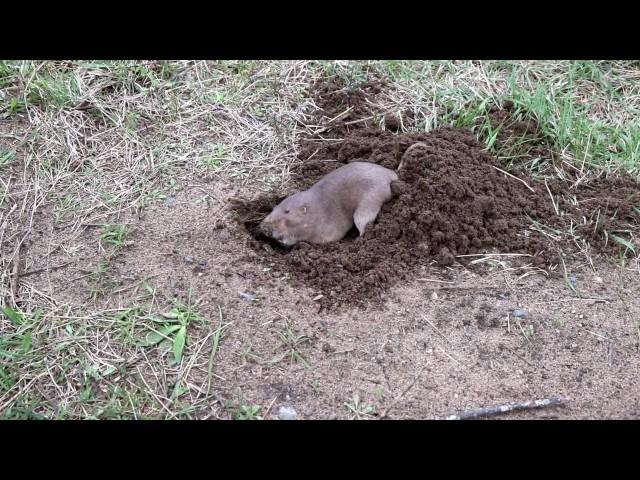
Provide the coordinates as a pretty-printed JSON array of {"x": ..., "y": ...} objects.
[
  {"x": 114, "y": 234},
  {"x": 213, "y": 160},
  {"x": 290, "y": 343},
  {"x": 6, "y": 156},
  {"x": 247, "y": 412},
  {"x": 169, "y": 330},
  {"x": 358, "y": 409}
]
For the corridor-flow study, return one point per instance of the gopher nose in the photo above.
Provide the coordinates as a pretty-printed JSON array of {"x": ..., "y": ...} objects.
[{"x": 265, "y": 226}]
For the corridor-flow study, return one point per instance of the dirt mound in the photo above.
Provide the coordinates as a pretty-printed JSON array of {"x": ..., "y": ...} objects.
[{"x": 452, "y": 199}]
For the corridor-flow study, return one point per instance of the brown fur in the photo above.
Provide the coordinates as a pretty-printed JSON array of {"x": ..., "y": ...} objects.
[{"x": 353, "y": 193}]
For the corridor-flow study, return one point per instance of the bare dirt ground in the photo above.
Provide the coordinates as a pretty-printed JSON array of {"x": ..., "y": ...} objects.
[{"x": 474, "y": 288}]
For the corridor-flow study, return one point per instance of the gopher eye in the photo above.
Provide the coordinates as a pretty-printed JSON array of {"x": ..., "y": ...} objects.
[{"x": 286, "y": 211}]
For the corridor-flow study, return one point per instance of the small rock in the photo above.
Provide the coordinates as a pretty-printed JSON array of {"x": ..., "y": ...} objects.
[
  {"x": 327, "y": 348},
  {"x": 503, "y": 295},
  {"x": 519, "y": 313},
  {"x": 574, "y": 281},
  {"x": 188, "y": 259},
  {"x": 318, "y": 297},
  {"x": 598, "y": 279},
  {"x": 287, "y": 413},
  {"x": 246, "y": 296},
  {"x": 170, "y": 201},
  {"x": 434, "y": 296}
]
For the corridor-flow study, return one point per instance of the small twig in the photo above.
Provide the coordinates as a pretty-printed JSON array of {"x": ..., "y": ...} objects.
[
  {"x": 574, "y": 299},
  {"x": 522, "y": 329},
  {"x": 433, "y": 280},
  {"x": 15, "y": 274},
  {"x": 495, "y": 255},
  {"x": 482, "y": 412},
  {"x": 270, "y": 406},
  {"x": 328, "y": 123},
  {"x": 435, "y": 328},
  {"x": 555, "y": 207},
  {"x": 402, "y": 394},
  {"x": 515, "y": 353},
  {"x": 467, "y": 288},
  {"x": 610, "y": 354},
  {"x": 451, "y": 357},
  {"x": 20, "y": 392},
  {"x": 40, "y": 270},
  {"x": 513, "y": 176},
  {"x": 381, "y": 114},
  {"x": 342, "y": 351}
]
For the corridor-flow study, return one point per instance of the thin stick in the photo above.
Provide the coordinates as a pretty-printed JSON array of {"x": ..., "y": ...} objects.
[
  {"x": 450, "y": 356},
  {"x": 328, "y": 126},
  {"x": 270, "y": 406},
  {"x": 435, "y": 328},
  {"x": 575, "y": 299},
  {"x": 342, "y": 351},
  {"x": 433, "y": 280},
  {"x": 482, "y": 412},
  {"x": 495, "y": 255},
  {"x": 402, "y": 394},
  {"x": 555, "y": 207},
  {"x": 516, "y": 354},
  {"x": 512, "y": 176}
]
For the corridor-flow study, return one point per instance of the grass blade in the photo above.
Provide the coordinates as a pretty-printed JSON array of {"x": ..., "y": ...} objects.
[
  {"x": 623, "y": 242},
  {"x": 12, "y": 315},
  {"x": 178, "y": 343},
  {"x": 156, "y": 336}
]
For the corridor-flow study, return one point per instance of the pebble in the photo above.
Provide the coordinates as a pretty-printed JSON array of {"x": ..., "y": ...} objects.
[
  {"x": 287, "y": 413},
  {"x": 519, "y": 313},
  {"x": 170, "y": 201},
  {"x": 434, "y": 296},
  {"x": 246, "y": 296}
]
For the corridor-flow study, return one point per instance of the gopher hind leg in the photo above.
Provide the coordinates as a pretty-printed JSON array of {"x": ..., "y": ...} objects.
[{"x": 365, "y": 214}]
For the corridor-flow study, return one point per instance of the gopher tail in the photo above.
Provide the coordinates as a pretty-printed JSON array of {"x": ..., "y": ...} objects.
[{"x": 407, "y": 151}]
